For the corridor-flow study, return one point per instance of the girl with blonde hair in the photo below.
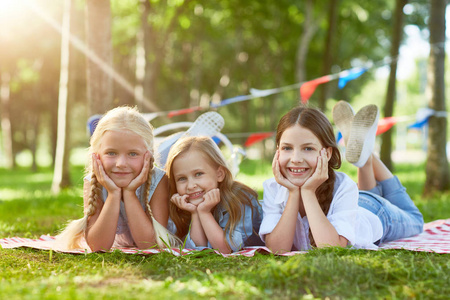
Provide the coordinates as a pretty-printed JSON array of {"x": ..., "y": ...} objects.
[
  {"x": 208, "y": 206},
  {"x": 125, "y": 197}
]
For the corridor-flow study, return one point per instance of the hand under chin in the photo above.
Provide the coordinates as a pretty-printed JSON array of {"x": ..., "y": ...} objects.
[{"x": 196, "y": 202}]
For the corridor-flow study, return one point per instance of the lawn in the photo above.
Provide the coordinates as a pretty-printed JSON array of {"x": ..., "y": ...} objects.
[{"x": 28, "y": 209}]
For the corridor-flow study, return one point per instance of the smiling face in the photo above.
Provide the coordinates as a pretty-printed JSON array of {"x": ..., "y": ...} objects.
[
  {"x": 122, "y": 155},
  {"x": 299, "y": 149},
  {"x": 194, "y": 175}
]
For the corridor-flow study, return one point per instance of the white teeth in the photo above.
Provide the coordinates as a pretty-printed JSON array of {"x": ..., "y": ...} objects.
[{"x": 297, "y": 170}]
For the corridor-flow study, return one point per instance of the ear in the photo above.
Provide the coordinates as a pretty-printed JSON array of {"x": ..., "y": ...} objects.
[
  {"x": 220, "y": 174},
  {"x": 329, "y": 152}
]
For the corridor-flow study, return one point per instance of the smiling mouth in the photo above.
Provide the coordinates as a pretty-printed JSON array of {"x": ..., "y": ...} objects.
[{"x": 195, "y": 195}]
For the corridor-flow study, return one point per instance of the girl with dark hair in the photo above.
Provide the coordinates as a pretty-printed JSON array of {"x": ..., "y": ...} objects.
[{"x": 308, "y": 203}]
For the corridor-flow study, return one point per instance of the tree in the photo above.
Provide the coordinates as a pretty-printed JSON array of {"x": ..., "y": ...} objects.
[
  {"x": 329, "y": 50},
  {"x": 61, "y": 174},
  {"x": 98, "y": 35},
  {"x": 437, "y": 168},
  {"x": 386, "y": 145}
]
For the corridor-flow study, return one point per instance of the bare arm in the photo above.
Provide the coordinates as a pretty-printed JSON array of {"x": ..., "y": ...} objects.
[
  {"x": 281, "y": 239},
  {"x": 322, "y": 230},
  {"x": 214, "y": 233},
  {"x": 101, "y": 228},
  {"x": 140, "y": 225}
]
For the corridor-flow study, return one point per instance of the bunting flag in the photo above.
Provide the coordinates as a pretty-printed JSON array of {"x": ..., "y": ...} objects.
[
  {"x": 348, "y": 75},
  {"x": 183, "y": 111},
  {"x": 385, "y": 124},
  {"x": 232, "y": 100},
  {"x": 256, "y": 137},
  {"x": 308, "y": 88}
]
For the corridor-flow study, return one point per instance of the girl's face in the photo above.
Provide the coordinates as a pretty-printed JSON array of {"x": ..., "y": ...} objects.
[
  {"x": 122, "y": 155},
  {"x": 195, "y": 175},
  {"x": 299, "y": 149}
]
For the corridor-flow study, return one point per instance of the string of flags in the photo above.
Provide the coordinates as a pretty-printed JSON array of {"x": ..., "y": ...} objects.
[
  {"x": 306, "y": 90},
  {"x": 421, "y": 119}
]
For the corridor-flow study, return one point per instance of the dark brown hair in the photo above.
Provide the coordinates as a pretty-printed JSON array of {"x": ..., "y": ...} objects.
[{"x": 315, "y": 121}]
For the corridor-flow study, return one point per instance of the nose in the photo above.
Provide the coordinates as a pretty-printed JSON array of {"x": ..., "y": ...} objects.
[
  {"x": 191, "y": 184},
  {"x": 297, "y": 157},
  {"x": 121, "y": 161}
]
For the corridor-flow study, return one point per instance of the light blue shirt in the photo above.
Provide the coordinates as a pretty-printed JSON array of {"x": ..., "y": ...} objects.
[{"x": 243, "y": 230}]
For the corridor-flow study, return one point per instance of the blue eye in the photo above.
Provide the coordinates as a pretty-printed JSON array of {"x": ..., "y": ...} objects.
[
  {"x": 198, "y": 174},
  {"x": 110, "y": 153},
  {"x": 286, "y": 148},
  {"x": 181, "y": 179},
  {"x": 133, "y": 154}
]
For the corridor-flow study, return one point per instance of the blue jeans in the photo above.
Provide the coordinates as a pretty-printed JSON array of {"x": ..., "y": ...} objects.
[{"x": 393, "y": 206}]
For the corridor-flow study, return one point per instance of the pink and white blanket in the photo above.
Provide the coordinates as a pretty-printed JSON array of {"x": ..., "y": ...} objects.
[{"x": 435, "y": 238}]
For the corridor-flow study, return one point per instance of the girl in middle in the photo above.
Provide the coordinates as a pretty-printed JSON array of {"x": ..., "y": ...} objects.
[{"x": 207, "y": 206}]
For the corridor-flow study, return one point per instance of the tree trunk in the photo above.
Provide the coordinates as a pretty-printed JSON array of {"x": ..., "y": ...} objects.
[
  {"x": 328, "y": 53},
  {"x": 437, "y": 168},
  {"x": 386, "y": 144},
  {"x": 6, "y": 120},
  {"x": 309, "y": 29},
  {"x": 61, "y": 175},
  {"x": 98, "y": 35}
]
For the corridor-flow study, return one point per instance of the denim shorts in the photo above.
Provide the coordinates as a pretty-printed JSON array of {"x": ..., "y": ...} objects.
[{"x": 395, "y": 209}]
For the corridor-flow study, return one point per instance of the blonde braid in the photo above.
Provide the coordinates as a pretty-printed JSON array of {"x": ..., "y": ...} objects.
[
  {"x": 146, "y": 191},
  {"x": 70, "y": 237},
  {"x": 164, "y": 238}
]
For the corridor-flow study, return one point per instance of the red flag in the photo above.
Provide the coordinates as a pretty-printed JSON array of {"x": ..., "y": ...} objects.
[
  {"x": 308, "y": 88},
  {"x": 256, "y": 137},
  {"x": 385, "y": 124},
  {"x": 183, "y": 111}
]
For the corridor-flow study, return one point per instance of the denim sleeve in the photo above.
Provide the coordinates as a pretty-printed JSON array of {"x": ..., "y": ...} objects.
[
  {"x": 191, "y": 245},
  {"x": 243, "y": 229}
]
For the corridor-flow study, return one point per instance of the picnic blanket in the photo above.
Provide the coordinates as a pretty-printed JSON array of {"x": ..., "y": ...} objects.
[{"x": 435, "y": 238}]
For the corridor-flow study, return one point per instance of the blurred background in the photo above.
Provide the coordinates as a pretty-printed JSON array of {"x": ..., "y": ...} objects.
[{"x": 62, "y": 62}]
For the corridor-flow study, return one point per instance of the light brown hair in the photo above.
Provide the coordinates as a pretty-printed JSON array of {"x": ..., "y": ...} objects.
[
  {"x": 233, "y": 194},
  {"x": 315, "y": 121}
]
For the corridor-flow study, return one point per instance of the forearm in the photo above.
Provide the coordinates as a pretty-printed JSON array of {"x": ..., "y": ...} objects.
[
  {"x": 322, "y": 230},
  {"x": 101, "y": 232},
  {"x": 281, "y": 239},
  {"x": 214, "y": 233},
  {"x": 197, "y": 234},
  {"x": 141, "y": 227}
]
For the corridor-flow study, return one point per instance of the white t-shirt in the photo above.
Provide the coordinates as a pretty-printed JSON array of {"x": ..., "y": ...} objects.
[{"x": 358, "y": 225}]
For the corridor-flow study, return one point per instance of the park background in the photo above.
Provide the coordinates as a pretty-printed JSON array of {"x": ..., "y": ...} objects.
[{"x": 64, "y": 61}]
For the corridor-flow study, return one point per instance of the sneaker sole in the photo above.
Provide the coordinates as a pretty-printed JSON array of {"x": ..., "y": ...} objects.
[
  {"x": 343, "y": 115},
  {"x": 362, "y": 123}
]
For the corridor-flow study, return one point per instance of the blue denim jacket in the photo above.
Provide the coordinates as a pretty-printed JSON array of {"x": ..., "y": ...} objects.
[{"x": 248, "y": 224}]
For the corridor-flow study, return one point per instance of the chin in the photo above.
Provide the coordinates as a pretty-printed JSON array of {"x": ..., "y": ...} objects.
[{"x": 196, "y": 201}]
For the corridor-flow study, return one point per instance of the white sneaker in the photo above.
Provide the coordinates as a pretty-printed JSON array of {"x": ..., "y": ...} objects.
[
  {"x": 343, "y": 114},
  {"x": 361, "y": 140}
]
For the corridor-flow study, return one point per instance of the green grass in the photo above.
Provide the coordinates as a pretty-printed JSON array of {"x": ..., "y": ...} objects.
[{"x": 28, "y": 209}]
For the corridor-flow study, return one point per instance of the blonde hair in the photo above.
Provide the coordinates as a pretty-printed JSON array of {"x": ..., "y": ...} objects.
[
  {"x": 118, "y": 119},
  {"x": 233, "y": 194}
]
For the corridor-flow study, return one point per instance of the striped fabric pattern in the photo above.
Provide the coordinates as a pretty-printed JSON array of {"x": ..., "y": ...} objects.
[{"x": 435, "y": 238}]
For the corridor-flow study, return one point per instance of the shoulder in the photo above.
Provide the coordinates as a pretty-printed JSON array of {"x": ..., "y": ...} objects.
[
  {"x": 345, "y": 191},
  {"x": 157, "y": 175},
  {"x": 271, "y": 184},
  {"x": 344, "y": 182}
]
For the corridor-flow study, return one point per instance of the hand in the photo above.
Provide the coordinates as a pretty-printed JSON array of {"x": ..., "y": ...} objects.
[
  {"x": 101, "y": 175},
  {"x": 279, "y": 177},
  {"x": 142, "y": 177},
  {"x": 212, "y": 198},
  {"x": 183, "y": 203},
  {"x": 320, "y": 175}
]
